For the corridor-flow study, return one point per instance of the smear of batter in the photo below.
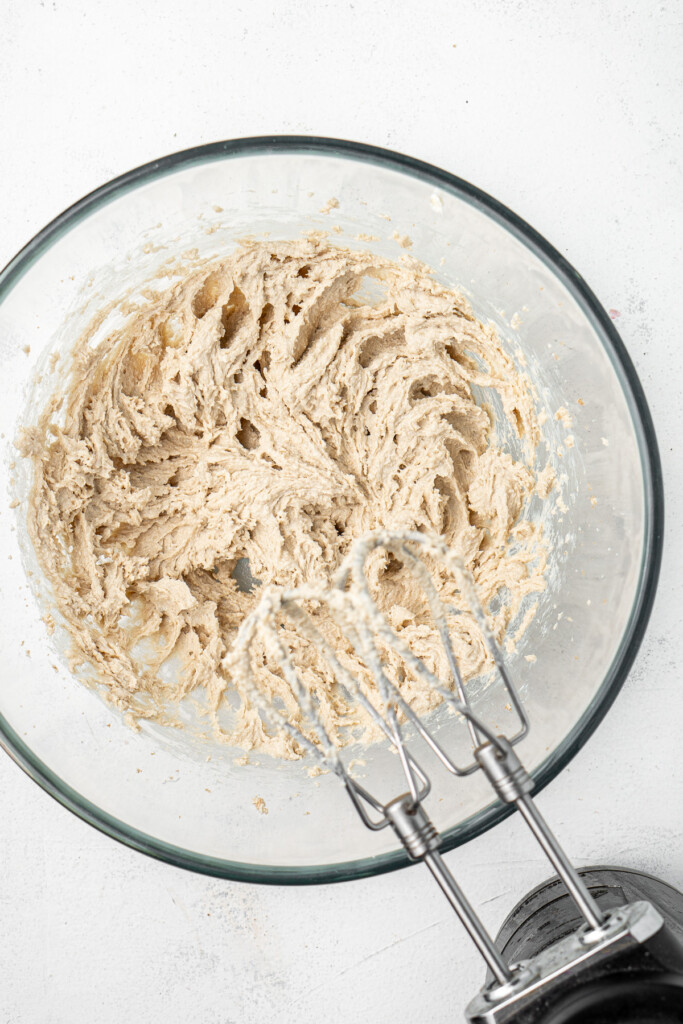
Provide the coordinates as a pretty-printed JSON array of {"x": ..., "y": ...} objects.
[{"x": 272, "y": 407}]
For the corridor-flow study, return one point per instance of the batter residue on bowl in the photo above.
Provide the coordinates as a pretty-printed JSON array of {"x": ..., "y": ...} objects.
[{"x": 272, "y": 407}]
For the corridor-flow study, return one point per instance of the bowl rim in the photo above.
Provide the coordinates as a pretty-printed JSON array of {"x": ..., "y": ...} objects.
[{"x": 603, "y": 699}]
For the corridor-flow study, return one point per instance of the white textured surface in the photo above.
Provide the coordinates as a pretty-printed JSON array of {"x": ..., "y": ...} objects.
[{"x": 571, "y": 115}]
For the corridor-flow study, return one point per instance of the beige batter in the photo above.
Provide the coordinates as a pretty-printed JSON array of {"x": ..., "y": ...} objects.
[{"x": 273, "y": 406}]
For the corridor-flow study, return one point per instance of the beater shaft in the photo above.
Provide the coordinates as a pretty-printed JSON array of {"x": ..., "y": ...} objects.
[
  {"x": 576, "y": 887},
  {"x": 461, "y": 905},
  {"x": 513, "y": 784},
  {"x": 421, "y": 840}
]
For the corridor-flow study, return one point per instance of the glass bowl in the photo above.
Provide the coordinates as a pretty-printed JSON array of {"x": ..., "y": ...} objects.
[{"x": 160, "y": 791}]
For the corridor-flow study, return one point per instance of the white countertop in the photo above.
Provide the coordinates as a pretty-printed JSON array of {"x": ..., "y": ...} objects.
[{"x": 570, "y": 114}]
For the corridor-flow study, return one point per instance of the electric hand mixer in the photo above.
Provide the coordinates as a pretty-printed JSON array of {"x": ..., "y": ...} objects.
[{"x": 598, "y": 945}]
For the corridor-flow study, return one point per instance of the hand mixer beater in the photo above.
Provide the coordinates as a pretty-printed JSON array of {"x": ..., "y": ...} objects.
[{"x": 596, "y": 945}]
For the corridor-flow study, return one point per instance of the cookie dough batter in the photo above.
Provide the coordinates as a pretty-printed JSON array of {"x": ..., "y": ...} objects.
[{"x": 271, "y": 407}]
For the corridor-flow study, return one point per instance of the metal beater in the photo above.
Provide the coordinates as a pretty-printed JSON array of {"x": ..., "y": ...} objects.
[{"x": 606, "y": 941}]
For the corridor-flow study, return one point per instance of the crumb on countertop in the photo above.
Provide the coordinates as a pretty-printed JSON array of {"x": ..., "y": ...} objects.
[{"x": 260, "y": 804}]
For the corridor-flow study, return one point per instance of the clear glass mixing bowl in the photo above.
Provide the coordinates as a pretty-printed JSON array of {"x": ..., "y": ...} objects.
[{"x": 155, "y": 789}]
